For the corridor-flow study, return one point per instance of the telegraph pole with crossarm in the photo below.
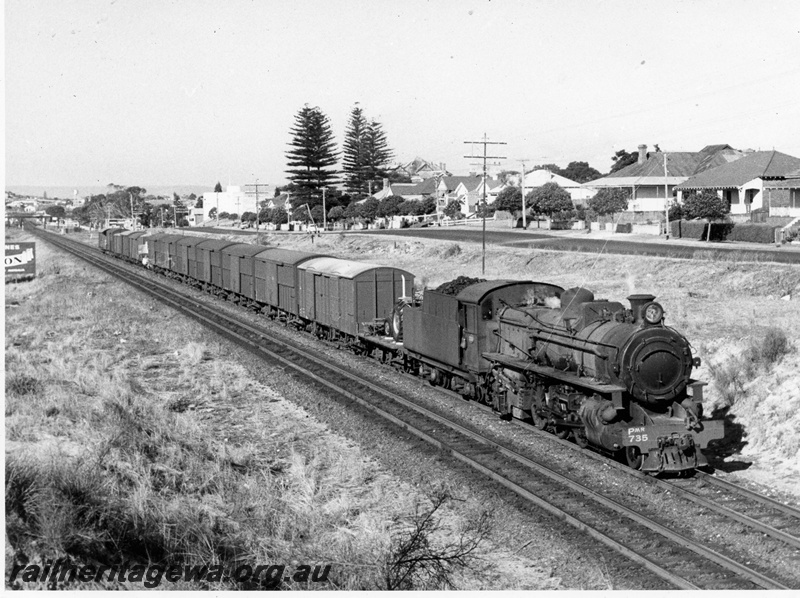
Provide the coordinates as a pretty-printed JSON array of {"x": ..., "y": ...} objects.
[
  {"x": 256, "y": 185},
  {"x": 485, "y": 143}
]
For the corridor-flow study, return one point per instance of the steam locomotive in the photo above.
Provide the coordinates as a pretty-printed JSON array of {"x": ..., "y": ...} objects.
[{"x": 610, "y": 377}]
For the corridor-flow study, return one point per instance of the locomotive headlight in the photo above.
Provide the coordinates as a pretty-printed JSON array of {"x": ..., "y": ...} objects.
[{"x": 653, "y": 313}]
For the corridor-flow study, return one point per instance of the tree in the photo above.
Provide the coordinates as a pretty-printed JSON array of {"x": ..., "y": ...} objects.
[
  {"x": 411, "y": 207},
  {"x": 453, "y": 210},
  {"x": 580, "y": 172},
  {"x": 389, "y": 206},
  {"x": 509, "y": 200},
  {"x": 353, "y": 152},
  {"x": 279, "y": 216},
  {"x": 369, "y": 209},
  {"x": 705, "y": 204},
  {"x": 554, "y": 168},
  {"x": 366, "y": 154},
  {"x": 318, "y": 214},
  {"x": 376, "y": 155},
  {"x": 549, "y": 199},
  {"x": 609, "y": 201},
  {"x": 313, "y": 156},
  {"x": 198, "y": 201},
  {"x": 353, "y": 211},
  {"x": 56, "y": 211},
  {"x": 248, "y": 217},
  {"x": 487, "y": 210},
  {"x": 224, "y": 215},
  {"x": 429, "y": 205},
  {"x": 217, "y": 188},
  {"x": 212, "y": 213},
  {"x": 622, "y": 159},
  {"x": 336, "y": 213}
]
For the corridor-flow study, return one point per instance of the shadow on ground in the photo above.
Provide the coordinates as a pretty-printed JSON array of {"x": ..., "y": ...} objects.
[{"x": 732, "y": 444}]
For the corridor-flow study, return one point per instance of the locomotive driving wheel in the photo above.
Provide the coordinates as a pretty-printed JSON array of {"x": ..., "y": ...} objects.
[{"x": 633, "y": 457}]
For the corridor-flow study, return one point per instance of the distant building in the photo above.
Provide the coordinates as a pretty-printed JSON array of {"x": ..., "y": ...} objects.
[{"x": 233, "y": 201}]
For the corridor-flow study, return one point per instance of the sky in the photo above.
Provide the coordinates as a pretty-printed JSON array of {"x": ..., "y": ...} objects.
[{"x": 159, "y": 92}]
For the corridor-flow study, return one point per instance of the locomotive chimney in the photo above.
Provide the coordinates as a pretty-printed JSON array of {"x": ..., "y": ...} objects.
[{"x": 637, "y": 303}]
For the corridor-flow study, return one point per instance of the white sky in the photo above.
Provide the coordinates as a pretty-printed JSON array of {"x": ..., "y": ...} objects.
[{"x": 157, "y": 92}]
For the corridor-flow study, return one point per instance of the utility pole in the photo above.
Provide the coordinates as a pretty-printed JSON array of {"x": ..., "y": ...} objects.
[
  {"x": 133, "y": 216},
  {"x": 522, "y": 184},
  {"x": 485, "y": 143},
  {"x": 324, "y": 212},
  {"x": 256, "y": 185},
  {"x": 666, "y": 202}
]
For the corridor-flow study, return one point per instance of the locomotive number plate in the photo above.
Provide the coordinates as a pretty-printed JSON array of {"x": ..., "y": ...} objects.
[{"x": 636, "y": 436}]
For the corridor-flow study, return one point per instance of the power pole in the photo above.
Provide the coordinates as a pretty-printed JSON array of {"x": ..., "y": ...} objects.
[
  {"x": 324, "y": 212},
  {"x": 666, "y": 203},
  {"x": 256, "y": 185},
  {"x": 522, "y": 184},
  {"x": 485, "y": 143}
]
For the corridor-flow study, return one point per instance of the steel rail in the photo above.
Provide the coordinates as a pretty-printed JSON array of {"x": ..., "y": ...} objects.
[
  {"x": 688, "y": 494},
  {"x": 147, "y": 284}
]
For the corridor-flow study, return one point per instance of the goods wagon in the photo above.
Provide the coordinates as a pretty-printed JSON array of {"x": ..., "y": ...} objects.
[
  {"x": 209, "y": 261},
  {"x": 347, "y": 296},
  {"x": 238, "y": 269},
  {"x": 116, "y": 242},
  {"x": 457, "y": 329},
  {"x": 162, "y": 249},
  {"x": 130, "y": 244},
  {"x": 276, "y": 278},
  {"x": 186, "y": 257},
  {"x": 106, "y": 237}
]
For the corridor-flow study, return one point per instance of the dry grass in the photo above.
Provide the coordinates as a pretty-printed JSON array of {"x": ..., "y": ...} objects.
[{"x": 132, "y": 435}]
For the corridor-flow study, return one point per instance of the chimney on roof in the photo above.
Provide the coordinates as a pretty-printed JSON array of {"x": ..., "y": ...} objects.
[{"x": 642, "y": 154}]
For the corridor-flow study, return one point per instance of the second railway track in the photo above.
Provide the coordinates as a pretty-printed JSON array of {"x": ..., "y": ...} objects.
[{"x": 675, "y": 557}]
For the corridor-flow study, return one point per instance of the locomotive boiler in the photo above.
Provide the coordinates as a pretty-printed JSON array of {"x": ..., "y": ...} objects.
[{"x": 614, "y": 377}]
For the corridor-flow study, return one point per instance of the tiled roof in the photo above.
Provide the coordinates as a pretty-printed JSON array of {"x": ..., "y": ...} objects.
[
  {"x": 470, "y": 182},
  {"x": 765, "y": 165},
  {"x": 680, "y": 166}
]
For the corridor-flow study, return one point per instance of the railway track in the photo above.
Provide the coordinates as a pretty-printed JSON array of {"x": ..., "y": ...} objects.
[
  {"x": 721, "y": 497},
  {"x": 674, "y": 557}
]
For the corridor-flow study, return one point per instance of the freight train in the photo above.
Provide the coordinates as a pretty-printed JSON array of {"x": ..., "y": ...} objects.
[{"x": 610, "y": 377}]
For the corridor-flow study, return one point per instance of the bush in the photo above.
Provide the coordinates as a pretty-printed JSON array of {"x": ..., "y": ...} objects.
[
  {"x": 753, "y": 233},
  {"x": 22, "y": 385},
  {"x": 771, "y": 348}
]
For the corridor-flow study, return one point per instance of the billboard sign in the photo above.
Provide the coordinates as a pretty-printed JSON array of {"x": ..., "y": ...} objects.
[{"x": 20, "y": 260}]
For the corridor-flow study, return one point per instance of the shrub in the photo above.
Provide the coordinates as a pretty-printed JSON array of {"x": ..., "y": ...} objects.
[
  {"x": 22, "y": 385},
  {"x": 769, "y": 350},
  {"x": 753, "y": 233}
]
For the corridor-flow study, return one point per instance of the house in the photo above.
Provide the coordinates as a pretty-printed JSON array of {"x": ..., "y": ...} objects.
[
  {"x": 742, "y": 182},
  {"x": 653, "y": 178},
  {"x": 783, "y": 195},
  {"x": 419, "y": 169},
  {"x": 579, "y": 193}
]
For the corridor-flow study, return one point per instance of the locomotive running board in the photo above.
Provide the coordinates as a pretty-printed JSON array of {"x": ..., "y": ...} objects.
[{"x": 567, "y": 377}]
